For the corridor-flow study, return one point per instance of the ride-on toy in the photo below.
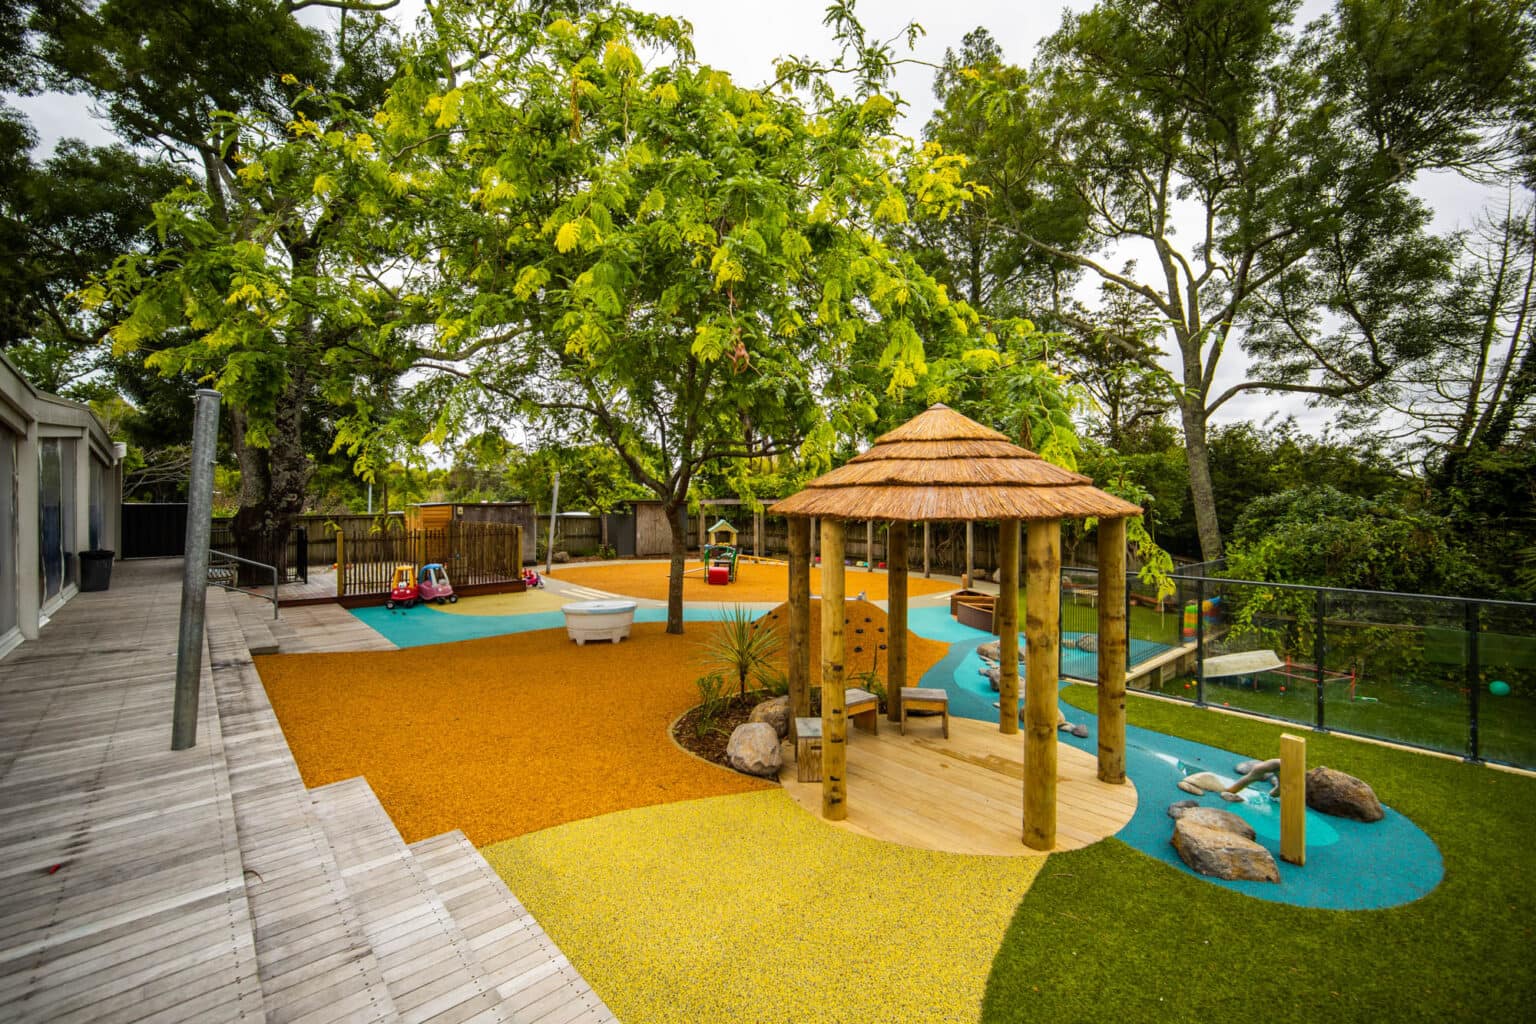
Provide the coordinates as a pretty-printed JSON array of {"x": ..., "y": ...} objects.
[
  {"x": 402, "y": 587},
  {"x": 434, "y": 585},
  {"x": 532, "y": 580}
]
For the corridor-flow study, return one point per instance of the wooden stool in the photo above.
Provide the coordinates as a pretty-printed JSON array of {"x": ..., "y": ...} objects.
[
  {"x": 924, "y": 698},
  {"x": 808, "y": 749},
  {"x": 861, "y": 704}
]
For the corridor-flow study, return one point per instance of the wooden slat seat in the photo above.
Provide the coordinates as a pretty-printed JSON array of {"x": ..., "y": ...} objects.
[
  {"x": 924, "y": 698},
  {"x": 862, "y": 708},
  {"x": 808, "y": 749}
]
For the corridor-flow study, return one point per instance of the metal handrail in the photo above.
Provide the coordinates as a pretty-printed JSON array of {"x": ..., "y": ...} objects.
[{"x": 244, "y": 561}]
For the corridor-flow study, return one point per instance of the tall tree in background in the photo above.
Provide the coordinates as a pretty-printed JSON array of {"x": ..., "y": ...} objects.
[
  {"x": 1287, "y": 154},
  {"x": 201, "y": 81}
]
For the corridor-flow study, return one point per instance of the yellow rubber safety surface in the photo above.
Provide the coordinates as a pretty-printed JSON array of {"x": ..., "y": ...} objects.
[
  {"x": 755, "y": 582},
  {"x": 745, "y": 908},
  {"x": 508, "y": 604},
  {"x": 504, "y": 735}
]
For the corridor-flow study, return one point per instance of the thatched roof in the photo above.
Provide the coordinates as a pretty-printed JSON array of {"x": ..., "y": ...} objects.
[{"x": 941, "y": 465}]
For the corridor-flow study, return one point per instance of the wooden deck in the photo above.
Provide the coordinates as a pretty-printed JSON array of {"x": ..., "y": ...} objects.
[
  {"x": 209, "y": 884},
  {"x": 964, "y": 794}
]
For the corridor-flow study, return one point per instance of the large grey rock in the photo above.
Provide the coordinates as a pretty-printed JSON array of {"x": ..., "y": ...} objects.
[
  {"x": 1202, "y": 782},
  {"x": 1221, "y": 853},
  {"x": 1178, "y": 807},
  {"x": 992, "y": 650},
  {"x": 774, "y": 712},
  {"x": 1212, "y": 817},
  {"x": 754, "y": 749},
  {"x": 1088, "y": 642},
  {"x": 1344, "y": 796},
  {"x": 994, "y": 676}
]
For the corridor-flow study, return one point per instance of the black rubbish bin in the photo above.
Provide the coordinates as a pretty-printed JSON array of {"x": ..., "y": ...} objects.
[{"x": 96, "y": 569}]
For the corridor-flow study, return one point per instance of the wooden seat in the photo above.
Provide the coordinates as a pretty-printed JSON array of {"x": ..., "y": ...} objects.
[
  {"x": 861, "y": 704},
  {"x": 808, "y": 749},
  {"x": 924, "y": 698}
]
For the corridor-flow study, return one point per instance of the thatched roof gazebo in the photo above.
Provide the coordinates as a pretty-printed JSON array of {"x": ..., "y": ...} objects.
[{"x": 942, "y": 466}]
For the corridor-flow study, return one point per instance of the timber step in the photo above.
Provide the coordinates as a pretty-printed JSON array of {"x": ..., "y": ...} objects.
[
  {"x": 532, "y": 976},
  {"x": 313, "y": 956},
  {"x": 432, "y": 972},
  {"x": 256, "y": 622}
]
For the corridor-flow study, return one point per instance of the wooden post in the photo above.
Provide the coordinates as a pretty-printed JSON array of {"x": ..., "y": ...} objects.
[
  {"x": 815, "y": 539},
  {"x": 341, "y": 564},
  {"x": 757, "y": 534},
  {"x": 1112, "y": 642},
  {"x": 896, "y": 616},
  {"x": 1293, "y": 799},
  {"x": 799, "y": 618},
  {"x": 1008, "y": 627},
  {"x": 927, "y": 550},
  {"x": 1042, "y": 615},
  {"x": 834, "y": 720},
  {"x": 702, "y": 537},
  {"x": 970, "y": 553}
]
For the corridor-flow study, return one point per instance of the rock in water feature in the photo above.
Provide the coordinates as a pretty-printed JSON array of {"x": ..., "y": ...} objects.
[
  {"x": 1178, "y": 807},
  {"x": 992, "y": 650},
  {"x": 754, "y": 749},
  {"x": 1344, "y": 796},
  {"x": 1212, "y": 817},
  {"x": 1221, "y": 853},
  {"x": 774, "y": 712},
  {"x": 1202, "y": 782}
]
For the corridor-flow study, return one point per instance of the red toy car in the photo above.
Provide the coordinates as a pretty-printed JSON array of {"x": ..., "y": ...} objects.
[
  {"x": 433, "y": 584},
  {"x": 402, "y": 587}
]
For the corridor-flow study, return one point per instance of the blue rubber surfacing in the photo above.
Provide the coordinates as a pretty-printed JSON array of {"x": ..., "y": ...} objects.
[{"x": 1350, "y": 865}]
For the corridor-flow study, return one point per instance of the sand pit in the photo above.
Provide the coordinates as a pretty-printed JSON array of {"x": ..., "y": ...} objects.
[
  {"x": 765, "y": 582},
  {"x": 502, "y": 736}
]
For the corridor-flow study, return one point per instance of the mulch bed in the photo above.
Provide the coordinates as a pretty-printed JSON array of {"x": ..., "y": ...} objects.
[{"x": 711, "y": 746}]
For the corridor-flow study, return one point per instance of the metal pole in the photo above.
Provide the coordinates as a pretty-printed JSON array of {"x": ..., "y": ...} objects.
[
  {"x": 1199, "y": 640},
  {"x": 1320, "y": 654},
  {"x": 554, "y": 506},
  {"x": 1474, "y": 685},
  {"x": 370, "y": 497},
  {"x": 194, "y": 578}
]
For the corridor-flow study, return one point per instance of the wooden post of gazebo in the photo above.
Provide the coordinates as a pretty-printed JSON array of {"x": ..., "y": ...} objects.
[
  {"x": 1112, "y": 644},
  {"x": 834, "y": 720},
  {"x": 1042, "y": 618},
  {"x": 1008, "y": 627},
  {"x": 799, "y": 619},
  {"x": 896, "y": 616}
]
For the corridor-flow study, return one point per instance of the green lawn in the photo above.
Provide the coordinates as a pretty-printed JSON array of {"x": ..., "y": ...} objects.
[{"x": 1108, "y": 933}]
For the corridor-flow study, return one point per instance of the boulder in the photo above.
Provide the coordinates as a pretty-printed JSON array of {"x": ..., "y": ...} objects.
[
  {"x": 1222, "y": 853},
  {"x": 994, "y": 676},
  {"x": 1211, "y": 817},
  {"x": 754, "y": 749},
  {"x": 1088, "y": 642},
  {"x": 1202, "y": 782},
  {"x": 992, "y": 650},
  {"x": 1344, "y": 796},
  {"x": 1179, "y": 806},
  {"x": 774, "y": 712}
]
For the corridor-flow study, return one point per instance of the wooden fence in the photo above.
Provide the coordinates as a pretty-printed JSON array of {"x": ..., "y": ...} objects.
[{"x": 474, "y": 553}]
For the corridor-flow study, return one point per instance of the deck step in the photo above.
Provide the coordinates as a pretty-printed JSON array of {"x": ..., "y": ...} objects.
[
  {"x": 432, "y": 972},
  {"x": 531, "y": 974},
  {"x": 313, "y": 956},
  {"x": 256, "y": 622}
]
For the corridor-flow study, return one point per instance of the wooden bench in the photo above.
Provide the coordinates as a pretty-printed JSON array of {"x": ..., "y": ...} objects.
[
  {"x": 924, "y": 698},
  {"x": 861, "y": 704},
  {"x": 808, "y": 749}
]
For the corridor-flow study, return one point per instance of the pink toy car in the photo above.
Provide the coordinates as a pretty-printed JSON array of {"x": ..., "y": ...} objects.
[{"x": 434, "y": 585}]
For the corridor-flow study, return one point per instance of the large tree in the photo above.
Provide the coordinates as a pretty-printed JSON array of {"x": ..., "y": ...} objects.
[
  {"x": 533, "y": 222},
  {"x": 1265, "y": 169}
]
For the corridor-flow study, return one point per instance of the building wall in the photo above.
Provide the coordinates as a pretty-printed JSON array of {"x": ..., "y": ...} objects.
[{"x": 63, "y": 483}]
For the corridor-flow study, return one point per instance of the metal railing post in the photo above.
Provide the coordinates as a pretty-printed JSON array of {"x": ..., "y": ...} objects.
[
  {"x": 1319, "y": 655},
  {"x": 1199, "y": 640},
  {"x": 194, "y": 578},
  {"x": 1474, "y": 684}
]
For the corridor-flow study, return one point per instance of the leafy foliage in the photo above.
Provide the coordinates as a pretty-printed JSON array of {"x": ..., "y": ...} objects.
[{"x": 742, "y": 646}]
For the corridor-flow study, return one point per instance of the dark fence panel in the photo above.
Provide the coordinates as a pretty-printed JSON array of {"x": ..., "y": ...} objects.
[{"x": 156, "y": 530}]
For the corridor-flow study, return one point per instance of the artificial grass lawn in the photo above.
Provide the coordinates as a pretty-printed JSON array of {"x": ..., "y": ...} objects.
[
  {"x": 746, "y": 908},
  {"x": 1109, "y": 933},
  {"x": 755, "y": 582}
]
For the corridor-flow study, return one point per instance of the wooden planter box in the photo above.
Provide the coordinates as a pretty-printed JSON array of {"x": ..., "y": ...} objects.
[
  {"x": 979, "y": 612},
  {"x": 964, "y": 595}
]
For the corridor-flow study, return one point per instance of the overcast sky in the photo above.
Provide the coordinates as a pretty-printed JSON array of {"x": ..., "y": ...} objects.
[{"x": 747, "y": 38}]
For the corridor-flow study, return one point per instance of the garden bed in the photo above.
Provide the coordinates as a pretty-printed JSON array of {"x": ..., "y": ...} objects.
[{"x": 712, "y": 743}]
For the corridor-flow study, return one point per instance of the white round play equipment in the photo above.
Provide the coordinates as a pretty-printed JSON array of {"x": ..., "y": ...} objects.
[{"x": 598, "y": 620}]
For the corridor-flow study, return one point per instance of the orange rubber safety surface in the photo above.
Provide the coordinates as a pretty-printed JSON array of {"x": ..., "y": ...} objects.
[
  {"x": 508, "y": 735},
  {"x": 755, "y": 582}
]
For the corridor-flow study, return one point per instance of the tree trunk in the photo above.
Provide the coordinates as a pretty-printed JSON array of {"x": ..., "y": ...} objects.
[
  {"x": 679, "y": 563},
  {"x": 1202, "y": 491},
  {"x": 273, "y": 484}
]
